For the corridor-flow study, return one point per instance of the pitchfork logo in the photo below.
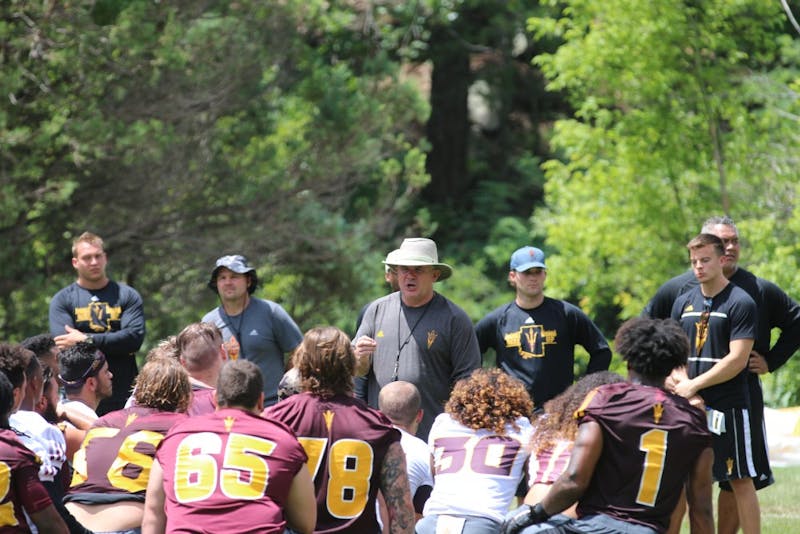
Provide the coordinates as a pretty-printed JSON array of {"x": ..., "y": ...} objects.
[{"x": 531, "y": 340}]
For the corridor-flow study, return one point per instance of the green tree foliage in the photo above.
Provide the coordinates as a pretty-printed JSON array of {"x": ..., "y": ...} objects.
[
  {"x": 682, "y": 110},
  {"x": 180, "y": 131}
]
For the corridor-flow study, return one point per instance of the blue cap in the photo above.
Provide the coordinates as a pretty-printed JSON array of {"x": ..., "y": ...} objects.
[{"x": 527, "y": 258}]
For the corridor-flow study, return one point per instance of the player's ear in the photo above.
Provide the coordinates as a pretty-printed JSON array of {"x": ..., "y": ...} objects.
[
  {"x": 260, "y": 403},
  {"x": 420, "y": 414}
]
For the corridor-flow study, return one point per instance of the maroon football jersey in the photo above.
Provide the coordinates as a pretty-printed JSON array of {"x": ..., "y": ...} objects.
[
  {"x": 113, "y": 463},
  {"x": 651, "y": 439},
  {"x": 19, "y": 484},
  {"x": 346, "y": 442},
  {"x": 203, "y": 400},
  {"x": 231, "y": 470}
]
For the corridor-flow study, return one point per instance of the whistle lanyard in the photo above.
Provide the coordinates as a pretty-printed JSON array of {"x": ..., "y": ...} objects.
[{"x": 402, "y": 345}]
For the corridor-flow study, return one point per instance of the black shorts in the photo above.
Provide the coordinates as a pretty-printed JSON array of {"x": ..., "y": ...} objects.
[
  {"x": 758, "y": 437},
  {"x": 733, "y": 448}
]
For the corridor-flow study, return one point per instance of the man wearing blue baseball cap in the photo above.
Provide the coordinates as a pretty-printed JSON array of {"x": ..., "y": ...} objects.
[
  {"x": 253, "y": 329},
  {"x": 534, "y": 336}
]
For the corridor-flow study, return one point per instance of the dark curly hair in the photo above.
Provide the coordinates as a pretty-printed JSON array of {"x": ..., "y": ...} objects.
[
  {"x": 652, "y": 347},
  {"x": 556, "y": 422},
  {"x": 6, "y": 400},
  {"x": 40, "y": 344},
  {"x": 14, "y": 360},
  {"x": 325, "y": 361},
  {"x": 489, "y": 399}
]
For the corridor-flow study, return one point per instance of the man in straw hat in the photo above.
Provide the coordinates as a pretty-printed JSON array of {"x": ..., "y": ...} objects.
[{"x": 416, "y": 334}]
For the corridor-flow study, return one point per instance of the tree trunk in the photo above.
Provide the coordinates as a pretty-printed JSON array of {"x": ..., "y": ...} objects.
[{"x": 448, "y": 125}]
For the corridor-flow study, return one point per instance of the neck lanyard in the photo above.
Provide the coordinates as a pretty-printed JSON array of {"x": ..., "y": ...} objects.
[
  {"x": 401, "y": 346},
  {"x": 237, "y": 331}
]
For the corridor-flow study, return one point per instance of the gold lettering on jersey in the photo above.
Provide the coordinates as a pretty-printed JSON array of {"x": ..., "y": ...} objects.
[
  {"x": 98, "y": 315},
  {"x": 700, "y": 334},
  {"x": 228, "y": 421},
  {"x": 379, "y": 334},
  {"x": 531, "y": 340},
  {"x": 582, "y": 408},
  {"x": 658, "y": 412},
  {"x": 328, "y": 415},
  {"x": 729, "y": 465},
  {"x": 432, "y": 335},
  {"x": 131, "y": 418}
]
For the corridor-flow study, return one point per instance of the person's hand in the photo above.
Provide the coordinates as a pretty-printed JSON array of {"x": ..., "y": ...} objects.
[
  {"x": 72, "y": 336},
  {"x": 757, "y": 363},
  {"x": 676, "y": 376},
  {"x": 522, "y": 517},
  {"x": 686, "y": 389},
  {"x": 363, "y": 348}
]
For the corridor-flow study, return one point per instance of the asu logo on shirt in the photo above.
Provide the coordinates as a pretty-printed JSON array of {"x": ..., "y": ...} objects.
[
  {"x": 531, "y": 340},
  {"x": 98, "y": 315}
]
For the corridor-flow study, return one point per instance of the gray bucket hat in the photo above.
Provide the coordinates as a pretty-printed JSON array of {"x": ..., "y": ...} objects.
[
  {"x": 418, "y": 251},
  {"x": 238, "y": 264}
]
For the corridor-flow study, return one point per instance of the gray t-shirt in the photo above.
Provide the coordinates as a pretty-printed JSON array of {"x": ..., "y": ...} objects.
[
  {"x": 265, "y": 333},
  {"x": 431, "y": 346}
]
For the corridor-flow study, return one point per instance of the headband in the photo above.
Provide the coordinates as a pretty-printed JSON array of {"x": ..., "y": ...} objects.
[{"x": 97, "y": 364}]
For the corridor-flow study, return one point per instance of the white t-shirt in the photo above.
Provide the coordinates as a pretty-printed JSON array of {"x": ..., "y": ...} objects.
[
  {"x": 418, "y": 461},
  {"x": 44, "y": 439}
]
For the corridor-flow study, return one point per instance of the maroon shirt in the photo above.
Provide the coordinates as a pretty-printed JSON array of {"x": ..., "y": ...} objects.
[
  {"x": 651, "y": 439},
  {"x": 346, "y": 442},
  {"x": 19, "y": 476},
  {"x": 113, "y": 463},
  {"x": 230, "y": 470},
  {"x": 203, "y": 400}
]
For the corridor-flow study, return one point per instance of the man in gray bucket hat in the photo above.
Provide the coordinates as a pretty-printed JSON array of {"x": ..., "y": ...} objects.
[
  {"x": 416, "y": 334},
  {"x": 252, "y": 329}
]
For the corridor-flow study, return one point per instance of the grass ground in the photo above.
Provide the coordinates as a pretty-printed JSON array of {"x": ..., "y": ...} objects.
[{"x": 780, "y": 513}]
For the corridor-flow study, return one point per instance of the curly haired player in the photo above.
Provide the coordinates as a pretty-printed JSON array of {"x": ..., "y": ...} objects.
[{"x": 479, "y": 447}]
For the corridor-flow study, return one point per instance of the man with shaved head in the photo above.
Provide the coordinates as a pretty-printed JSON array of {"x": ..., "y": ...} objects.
[{"x": 400, "y": 402}]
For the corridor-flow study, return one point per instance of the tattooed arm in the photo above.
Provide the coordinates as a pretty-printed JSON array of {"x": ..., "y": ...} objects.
[{"x": 395, "y": 490}]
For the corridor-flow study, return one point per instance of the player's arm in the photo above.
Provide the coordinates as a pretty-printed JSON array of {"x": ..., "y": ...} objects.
[
  {"x": 698, "y": 494},
  {"x": 395, "y": 490},
  {"x": 59, "y": 315},
  {"x": 62, "y": 322},
  {"x": 567, "y": 489},
  {"x": 301, "y": 505},
  {"x": 36, "y": 501},
  {"x": 48, "y": 521},
  {"x": 485, "y": 332},
  {"x": 131, "y": 331},
  {"x": 722, "y": 371},
  {"x": 79, "y": 419},
  {"x": 589, "y": 336},
  {"x": 785, "y": 315},
  {"x": 154, "y": 520},
  {"x": 74, "y": 439},
  {"x": 575, "y": 479}
]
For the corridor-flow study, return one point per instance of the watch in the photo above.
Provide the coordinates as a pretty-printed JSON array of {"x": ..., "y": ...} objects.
[{"x": 89, "y": 339}]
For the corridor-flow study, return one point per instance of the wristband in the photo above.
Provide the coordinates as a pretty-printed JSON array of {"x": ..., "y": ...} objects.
[{"x": 538, "y": 515}]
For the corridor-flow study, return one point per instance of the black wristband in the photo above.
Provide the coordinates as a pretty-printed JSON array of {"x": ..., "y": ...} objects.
[{"x": 538, "y": 515}]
